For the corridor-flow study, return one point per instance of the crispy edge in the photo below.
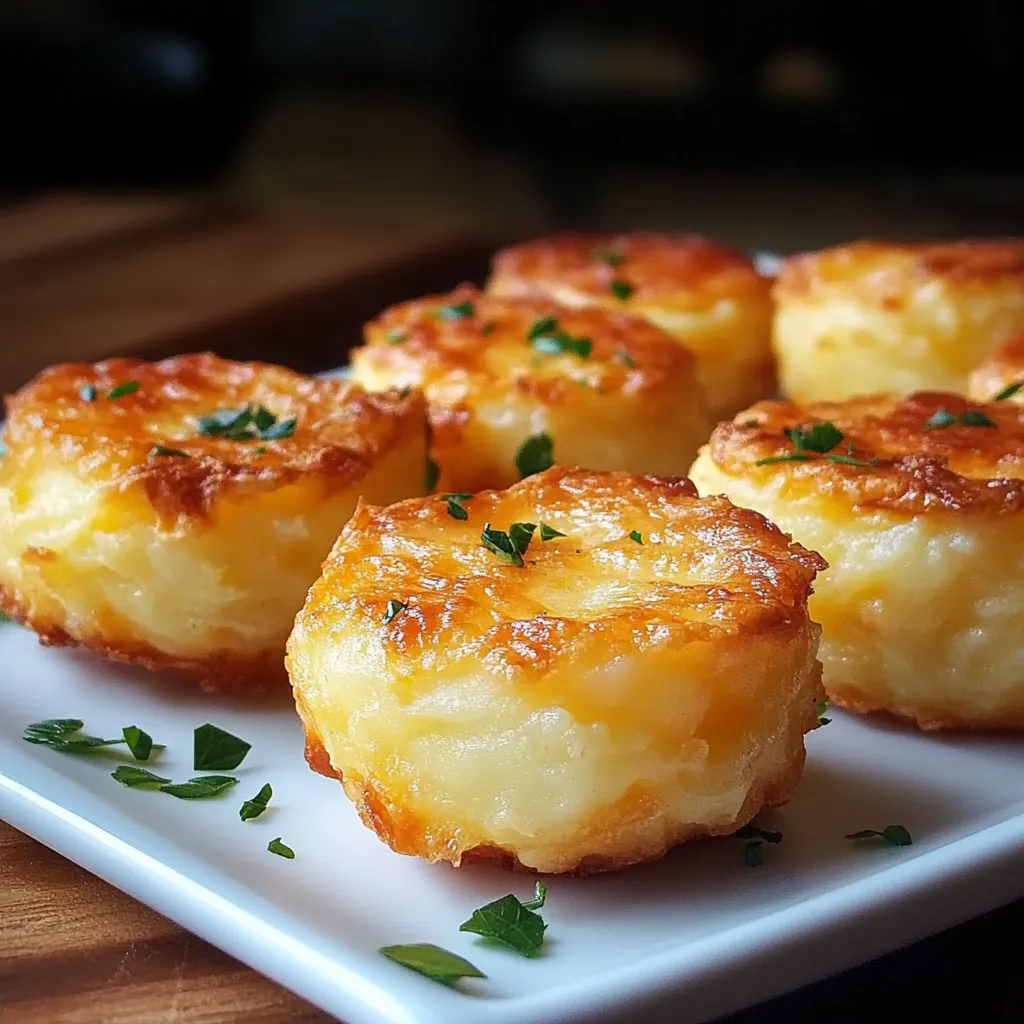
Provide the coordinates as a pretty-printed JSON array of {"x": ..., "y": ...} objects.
[
  {"x": 885, "y": 273},
  {"x": 851, "y": 698},
  {"x": 914, "y": 483}
]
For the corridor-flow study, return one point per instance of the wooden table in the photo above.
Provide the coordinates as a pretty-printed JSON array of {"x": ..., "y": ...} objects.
[{"x": 84, "y": 278}]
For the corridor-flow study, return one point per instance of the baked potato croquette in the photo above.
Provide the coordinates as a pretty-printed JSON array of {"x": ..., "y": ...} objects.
[
  {"x": 708, "y": 297},
  {"x": 873, "y": 317},
  {"x": 1001, "y": 376},
  {"x": 921, "y": 604},
  {"x": 590, "y": 709},
  {"x": 125, "y": 530},
  {"x": 610, "y": 390}
]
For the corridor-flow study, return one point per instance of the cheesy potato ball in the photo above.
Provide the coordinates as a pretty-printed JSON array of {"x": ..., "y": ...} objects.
[
  {"x": 174, "y": 514},
  {"x": 571, "y": 675},
  {"x": 706, "y": 296},
  {"x": 918, "y": 507},
  {"x": 515, "y": 385},
  {"x": 875, "y": 317},
  {"x": 1001, "y": 377}
]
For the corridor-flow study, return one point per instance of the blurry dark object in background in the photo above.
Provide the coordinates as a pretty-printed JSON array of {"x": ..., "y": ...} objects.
[{"x": 152, "y": 92}]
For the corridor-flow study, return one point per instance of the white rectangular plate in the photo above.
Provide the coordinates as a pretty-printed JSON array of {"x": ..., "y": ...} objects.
[{"x": 699, "y": 933}]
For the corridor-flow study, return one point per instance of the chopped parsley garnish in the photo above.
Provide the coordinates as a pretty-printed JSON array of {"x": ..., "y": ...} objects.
[
  {"x": 549, "y": 532},
  {"x": 201, "y": 788},
  {"x": 894, "y": 835},
  {"x": 541, "y": 326},
  {"x": 257, "y": 805},
  {"x": 392, "y": 609},
  {"x": 395, "y": 337},
  {"x": 129, "y": 387},
  {"x": 819, "y": 437},
  {"x": 975, "y": 418},
  {"x": 753, "y": 832},
  {"x": 1008, "y": 392},
  {"x": 65, "y": 735},
  {"x": 458, "y": 311},
  {"x": 821, "y": 707},
  {"x": 636, "y": 535},
  {"x": 613, "y": 257},
  {"x": 753, "y": 856},
  {"x": 750, "y": 424},
  {"x": 137, "y": 778},
  {"x": 511, "y": 923},
  {"x": 546, "y": 337},
  {"x": 562, "y": 343},
  {"x": 249, "y": 423},
  {"x": 942, "y": 417},
  {"x": 215, "y": 750},
  {"x": 159, "y": 449},
  {"x": 140, "y": 743},
  {"x": 621, "y": 290},
  {"x": 849, "y": 460},
  {"x": 87, "y": 393},
  {"x": 431, "y": 474},
  {"x": 535, "y": 455},
  {"x": 625, "y": 358},
  {"x": 276, "y": 846},
  {"x": 791, "y": 457},
  {"x": 455, "y": 507},
  {"x": 510, "y": 546},
  {"x": 432, "y": 962},
  {"x": 488, "y": 328}
]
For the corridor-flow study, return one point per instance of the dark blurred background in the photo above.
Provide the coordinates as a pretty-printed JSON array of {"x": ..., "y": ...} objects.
[{"x": 781, "y": 125}]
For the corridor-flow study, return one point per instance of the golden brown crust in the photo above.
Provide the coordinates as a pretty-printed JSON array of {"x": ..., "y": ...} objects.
[
  {"x": 1003, "y": 368},
  {"x": 217, "y": 671},
  {"x": 672, "y": 271},
  {"x": 969, "y": 469},
  {"x": 761, "y": 580},
  {"x": 411, "y": 344},
  {"x": 886, "y": 273},
  {"x": 341, "y": 431}
]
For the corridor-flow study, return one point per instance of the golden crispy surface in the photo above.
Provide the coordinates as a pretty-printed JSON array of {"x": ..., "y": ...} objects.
[
  {"x": 708, "y": 297},
  {"x": 1004, "y": 368},
  {"x": 875, "y": 317},
  {"x": 671, "y": 271},
  {"x": 194, "y": 561},
  {"x": 920, "y": 604},
  {"x": 586, "y": 710},
  {"x": 967, "y": 469},
  {"x": 883, "y": 272},
  {"x": 629, "y": 401}
]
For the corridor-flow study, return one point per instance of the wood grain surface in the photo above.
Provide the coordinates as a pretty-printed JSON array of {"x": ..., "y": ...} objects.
[{"x": 83, "y": 278}]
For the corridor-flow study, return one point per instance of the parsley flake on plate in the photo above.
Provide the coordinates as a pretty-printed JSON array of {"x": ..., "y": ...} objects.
[
  {"x": 65, "y": 735},
  {"x": 894, "y": 835},
  {"x": 821, "y": 707},
  {"x": 511, "y": 923},
  {"x": 942, "y": 418},
  {"x": 140, "y": 743},
  {"x": 200, "y": 788},
  {"x": 137, "y": 778},
  {"x": 791, "y": 457},
  {"x": 637, "y": 536},
  {"x": 432, "y": 962},
  {"x": 127, "y": 388},
  {"x": 276, "y": 846},
  {"x": 622, "y": 290},
  {"x": 159, "y": 449},
  {"x": 257, "y": 805},
  {"x": 250, "y": 423},
  {"x": 541, "y": 326},
  {"x": 819, "y": 437},
  {"x": 215, "y": 750},
  {"x": 536, "y": 454},
  {"x": 549, "y": 532}
]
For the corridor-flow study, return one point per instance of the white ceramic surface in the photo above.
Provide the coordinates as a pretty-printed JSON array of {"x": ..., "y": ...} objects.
[{"x": 692, "y": 937}]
